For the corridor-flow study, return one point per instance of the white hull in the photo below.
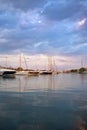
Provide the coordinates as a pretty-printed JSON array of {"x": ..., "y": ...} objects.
[
  {"x": 22, "y": 73},
  {"x": 7, "y": 72}
]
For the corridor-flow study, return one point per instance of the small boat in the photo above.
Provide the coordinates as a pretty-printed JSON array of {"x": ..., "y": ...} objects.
[
  {"x": 45, "y": 72},
  {"x": 20, "y": 70},
  {"x": 6, "y": 73},
  {"x": 33, "y": 73},
  {"x": 22, "y": 73}
]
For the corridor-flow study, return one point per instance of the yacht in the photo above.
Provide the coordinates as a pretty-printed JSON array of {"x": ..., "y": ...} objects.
[
  {"x": 45, "y": 72},
  {"x": 33, "y": 73},
  {"x": 7, "y": 72},
  {"x": 22, "y": 73}
]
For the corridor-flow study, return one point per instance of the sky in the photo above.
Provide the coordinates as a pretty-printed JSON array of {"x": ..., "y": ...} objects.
[{"x": 45, "y": 27}]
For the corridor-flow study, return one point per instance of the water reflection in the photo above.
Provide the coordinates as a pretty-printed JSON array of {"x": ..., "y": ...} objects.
[
  {"x": 44, "y": 103},
  {"x": 80, "y": 124}
]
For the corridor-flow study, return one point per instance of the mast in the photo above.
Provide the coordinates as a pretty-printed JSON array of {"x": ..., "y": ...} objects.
[
  {"x": 25, "y": 61},
  {"x": 54, "y": 65},
  {"x": 20, "y": 61},
  {"x": 6, "y": 60},
  {"x": 81, "y": 63},
  {"x": 50, "y": 63}
]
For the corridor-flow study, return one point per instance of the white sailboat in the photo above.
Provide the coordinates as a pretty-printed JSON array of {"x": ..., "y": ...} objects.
[
  {"x": 7, "y": 72},
  {"x": 20, "y": 71},
  {"x": 4, "y": 72},
  {"x": 51, "y": 67}
]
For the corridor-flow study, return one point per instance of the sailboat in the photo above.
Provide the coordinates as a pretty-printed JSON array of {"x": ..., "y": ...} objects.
[
  {"x": 51, "y": 67},
  {"x": 7, "y": 73},
  {"x": 54, "y": 67},
  {"x": 82, "y": 70},
  {"x": 20, "y": 71},
  {"x": 33, "y": 73}
]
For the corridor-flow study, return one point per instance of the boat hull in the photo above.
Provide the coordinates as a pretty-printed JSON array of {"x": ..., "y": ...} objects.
[
  {"x": 9, "y": 76},
  {"x": 22, "y": 73},
  {"x": 7, "y": 73},
  {"x": 33, "y": 73}
]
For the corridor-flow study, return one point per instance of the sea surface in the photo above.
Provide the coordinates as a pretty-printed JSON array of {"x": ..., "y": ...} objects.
[{"x": 45, "y": 102}]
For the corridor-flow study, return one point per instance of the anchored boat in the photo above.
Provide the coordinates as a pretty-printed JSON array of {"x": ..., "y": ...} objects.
[
  {"x": 7, "y": 73},
  {"x": 33, "y": 73},
  {"x": 23, "y": 73}
]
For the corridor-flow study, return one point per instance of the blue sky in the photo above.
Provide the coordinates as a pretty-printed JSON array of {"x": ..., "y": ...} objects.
[{"x": 54, "y": 27}]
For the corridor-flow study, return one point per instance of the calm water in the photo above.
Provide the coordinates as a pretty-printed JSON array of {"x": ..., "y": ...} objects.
[{"x": 49, "y": 102}]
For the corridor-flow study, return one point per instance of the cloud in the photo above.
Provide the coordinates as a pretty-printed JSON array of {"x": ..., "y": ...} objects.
[
  {"x": 9, "y": 19},
  {"x": 38, "y": 44},
  {"x": 30, "y": 19},
  {"x": 58, "y": 10},
  {"x": 76, "y": 49},
  {"x": 43, "y": 26},
  {"x": 82, "y": 22},
  {"x": 23, "y": 5}
]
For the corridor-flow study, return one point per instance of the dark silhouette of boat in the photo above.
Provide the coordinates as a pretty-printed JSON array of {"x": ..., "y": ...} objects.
[
  {"x": 33, "y": 73},
  {"x": 45, "y": 72},
  {"x": 7, "y": 73}
]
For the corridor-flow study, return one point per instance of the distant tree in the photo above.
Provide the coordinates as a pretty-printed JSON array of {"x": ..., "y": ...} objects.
[
  {"x": 81, "y": 70},
  {"x": 73, "y": 70},
  {"x": 19, "y": 69}
]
